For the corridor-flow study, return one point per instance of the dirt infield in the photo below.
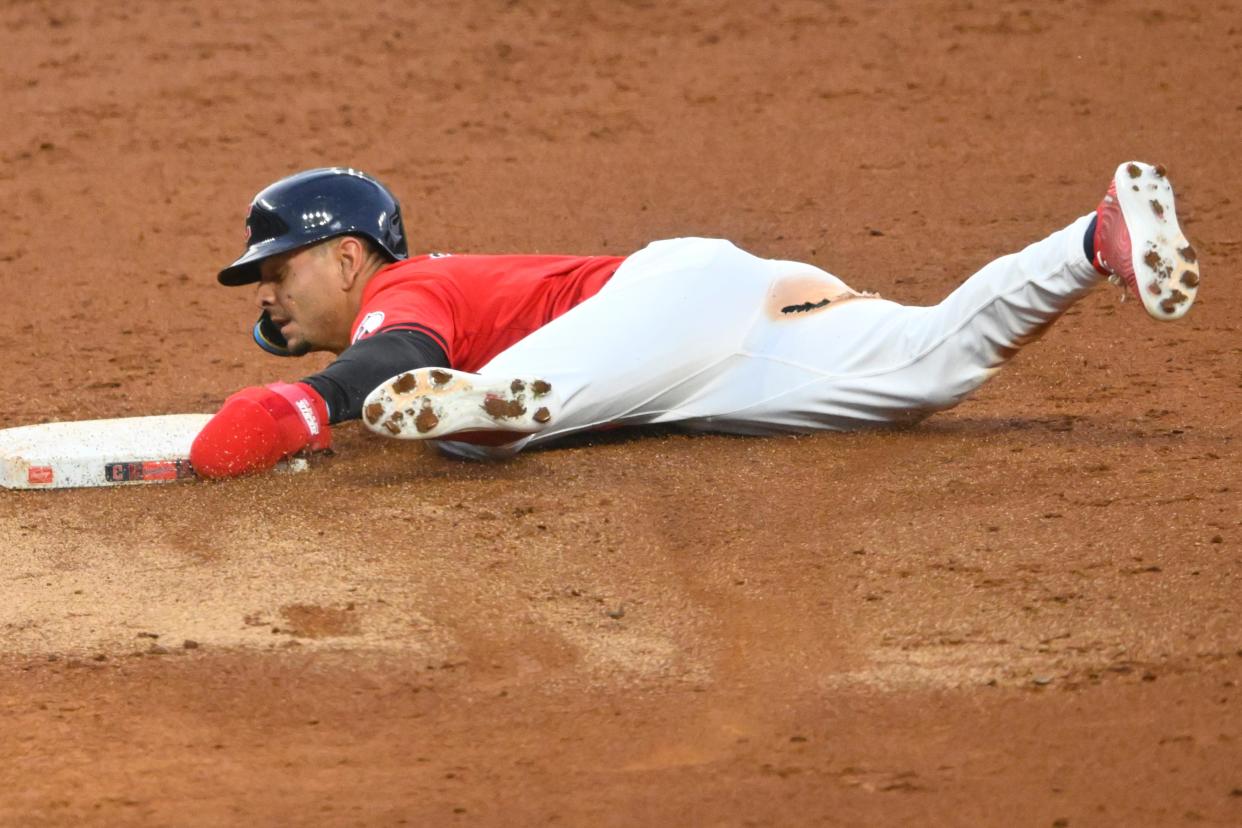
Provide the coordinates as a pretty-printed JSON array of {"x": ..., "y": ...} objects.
[{"x": 1024, "y": 611}]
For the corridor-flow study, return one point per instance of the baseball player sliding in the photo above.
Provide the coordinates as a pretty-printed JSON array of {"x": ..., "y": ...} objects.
[{"x": 487, "y": 355}]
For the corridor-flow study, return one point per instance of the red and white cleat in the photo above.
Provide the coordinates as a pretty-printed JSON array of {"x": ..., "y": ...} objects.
[
  {"x": 1139, "y": 245},
  {"x": 439, "y": 403}
]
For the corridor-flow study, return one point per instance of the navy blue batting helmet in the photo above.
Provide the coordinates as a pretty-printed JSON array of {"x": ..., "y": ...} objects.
[{"x": 312, "y": 206}]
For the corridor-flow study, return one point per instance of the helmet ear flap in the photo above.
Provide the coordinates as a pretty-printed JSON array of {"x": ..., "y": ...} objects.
[{"x": 268, "y": 337}]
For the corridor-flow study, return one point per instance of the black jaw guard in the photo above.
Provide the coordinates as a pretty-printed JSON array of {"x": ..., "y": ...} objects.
[{"x": 268, "y": 337}]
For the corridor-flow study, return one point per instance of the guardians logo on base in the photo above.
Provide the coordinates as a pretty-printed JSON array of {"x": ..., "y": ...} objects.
[
  {"x": 40, "y": 476},
  {"x": 135, "y": 470}
]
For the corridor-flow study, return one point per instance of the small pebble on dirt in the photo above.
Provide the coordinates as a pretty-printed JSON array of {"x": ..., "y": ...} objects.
[
  {"x": 190, "y": 644},
  {"x": 1042, "y": 680},
  {"x": 158, "y": 649},
  {"x": 617, "y": 613}
]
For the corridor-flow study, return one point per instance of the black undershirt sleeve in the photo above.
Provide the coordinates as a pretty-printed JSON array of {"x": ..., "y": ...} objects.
[{"x": 361, "y": 368}]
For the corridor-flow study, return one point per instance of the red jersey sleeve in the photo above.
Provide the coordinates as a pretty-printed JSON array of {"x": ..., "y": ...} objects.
[{"x": 395, "y": 302}]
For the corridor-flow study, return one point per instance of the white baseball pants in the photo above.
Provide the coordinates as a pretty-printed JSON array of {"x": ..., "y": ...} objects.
[{"x": 703, "y": 334}]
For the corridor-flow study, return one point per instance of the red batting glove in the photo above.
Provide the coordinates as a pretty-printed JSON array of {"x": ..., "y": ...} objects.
[{"x": 258, "y": 426}]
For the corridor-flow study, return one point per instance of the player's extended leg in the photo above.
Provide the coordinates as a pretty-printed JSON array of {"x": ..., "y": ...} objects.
[{"x": 872, "y": 362}]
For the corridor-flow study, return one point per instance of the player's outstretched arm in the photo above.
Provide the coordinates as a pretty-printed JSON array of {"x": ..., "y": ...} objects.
[{"x": 259, "y": 426}]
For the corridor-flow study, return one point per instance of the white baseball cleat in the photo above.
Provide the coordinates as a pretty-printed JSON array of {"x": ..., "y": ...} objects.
[
  {"x": 1139, "y": 244},
  {"x": 440, "y": 403}
]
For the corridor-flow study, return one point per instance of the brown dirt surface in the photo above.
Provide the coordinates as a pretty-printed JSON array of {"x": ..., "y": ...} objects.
[{"x": 1024, "y": 611}]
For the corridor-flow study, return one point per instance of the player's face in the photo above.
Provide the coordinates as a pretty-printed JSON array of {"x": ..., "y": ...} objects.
[{"x": 303, "y": 293}]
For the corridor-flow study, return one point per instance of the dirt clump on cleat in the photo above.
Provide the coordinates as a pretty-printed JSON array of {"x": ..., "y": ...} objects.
[
  {"x": 426, "y": 419},
  {"x": 502, "y": 409}
]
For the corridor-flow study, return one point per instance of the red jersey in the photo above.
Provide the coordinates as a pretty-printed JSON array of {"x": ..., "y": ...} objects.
[{"x": 477, "y": 306}]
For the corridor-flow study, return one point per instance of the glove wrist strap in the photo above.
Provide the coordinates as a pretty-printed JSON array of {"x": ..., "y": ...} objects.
[{"x": 298, "y": 406}]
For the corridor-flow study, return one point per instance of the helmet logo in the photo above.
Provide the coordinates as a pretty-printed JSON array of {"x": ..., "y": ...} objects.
[
  {"x": 249, "y": 213},
  {"x": 314, "y": 219},
  {"x": 394, "y": 229}
]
